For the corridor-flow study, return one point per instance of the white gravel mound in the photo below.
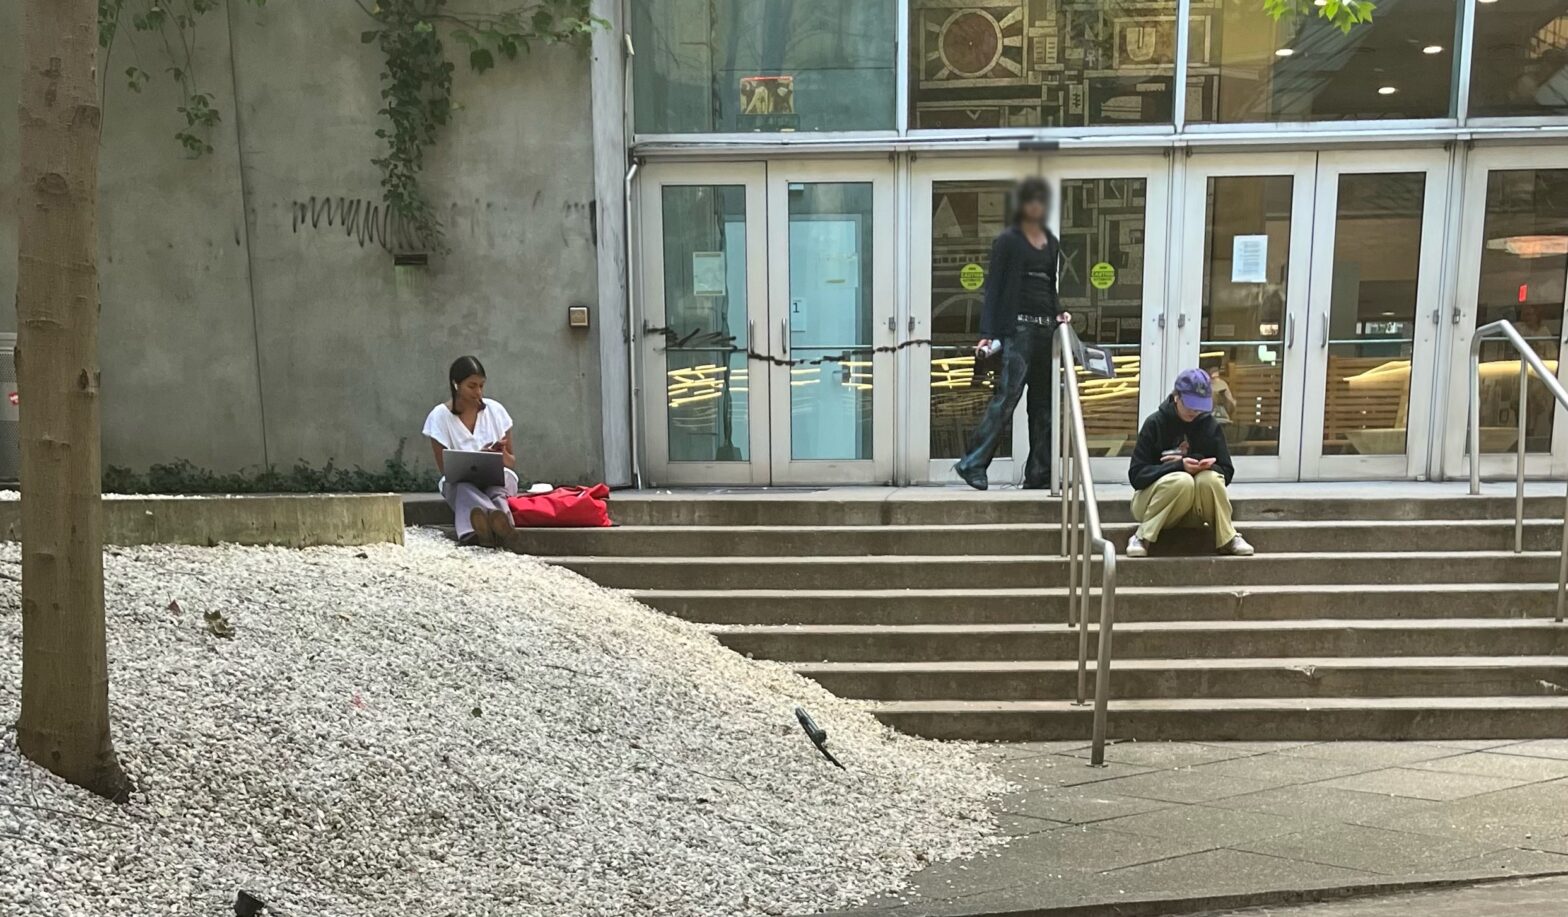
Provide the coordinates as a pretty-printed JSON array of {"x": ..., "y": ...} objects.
[{"x": 424, "y": 730}]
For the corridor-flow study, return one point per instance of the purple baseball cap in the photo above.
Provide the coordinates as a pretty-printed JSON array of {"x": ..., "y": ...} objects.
[{"x": 1196, "y": 392}]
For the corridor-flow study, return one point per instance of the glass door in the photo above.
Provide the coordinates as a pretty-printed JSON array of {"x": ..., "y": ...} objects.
[
  {"x": 1513, "y": 261},
  {"x": 1241, "y": 313},
  {"x": 1370, "y": 342},
  {"x": 1110, "y": 213},
  {"x": 705, "y": 303},
  {"x": 832, "y": 322},
  {"x": 1112, "y": 222},
  {"x": 959, "y": 207}
]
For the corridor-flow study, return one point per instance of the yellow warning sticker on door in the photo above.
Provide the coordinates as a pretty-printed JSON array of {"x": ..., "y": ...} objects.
[
  {"x": 972, "y": 276},
  {"x": 1102, "y": 275}
]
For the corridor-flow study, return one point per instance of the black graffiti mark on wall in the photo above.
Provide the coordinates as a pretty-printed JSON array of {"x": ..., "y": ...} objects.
[
  {"x": 697, "y": 339},
  {"x": 366, "y": 221}
]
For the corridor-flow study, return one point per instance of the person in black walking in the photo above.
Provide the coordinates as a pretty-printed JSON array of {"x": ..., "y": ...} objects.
[{"x": 1020, "y": 316}]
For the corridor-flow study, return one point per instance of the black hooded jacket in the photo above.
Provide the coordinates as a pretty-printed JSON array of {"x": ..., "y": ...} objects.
[{"x": 1165, "y": 433}]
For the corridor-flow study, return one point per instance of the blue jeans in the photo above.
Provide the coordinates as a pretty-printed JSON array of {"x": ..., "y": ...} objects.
[{"x": 1026, "y": 362}]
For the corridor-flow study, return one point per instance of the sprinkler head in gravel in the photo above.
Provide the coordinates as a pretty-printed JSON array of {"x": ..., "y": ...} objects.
[
  {"x": 248, "y": 905},
  {"x": 818, "y": 735}
]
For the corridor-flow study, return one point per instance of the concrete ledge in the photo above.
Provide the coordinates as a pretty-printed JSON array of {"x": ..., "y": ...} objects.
[{"x": 280, "y": 520}]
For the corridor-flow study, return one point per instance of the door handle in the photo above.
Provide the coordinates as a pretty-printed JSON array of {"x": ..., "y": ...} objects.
[
  {"x": 1181, "y": 320},
  {"x": 751, "y": 335},
  {"x": 1160, "y": 321},
  {"x": 892, "y": 323},
  {"x": 1290, "y": 332},
  {"x": 784, "y": 335},
  {"x": 1325, "y": 331}
]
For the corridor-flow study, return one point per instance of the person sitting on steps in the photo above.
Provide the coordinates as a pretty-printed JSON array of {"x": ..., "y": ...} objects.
[{"x": 1180, "y": 469}]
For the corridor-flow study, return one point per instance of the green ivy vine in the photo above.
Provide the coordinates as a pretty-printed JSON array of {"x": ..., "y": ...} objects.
[{"x": 416, "y": 86}]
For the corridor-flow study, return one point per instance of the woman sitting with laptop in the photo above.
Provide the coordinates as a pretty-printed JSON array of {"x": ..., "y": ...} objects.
[{"x": 471, "y": 436}]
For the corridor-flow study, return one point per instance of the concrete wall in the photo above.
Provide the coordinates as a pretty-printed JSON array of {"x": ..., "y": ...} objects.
[{"x": 235, "y": 333}]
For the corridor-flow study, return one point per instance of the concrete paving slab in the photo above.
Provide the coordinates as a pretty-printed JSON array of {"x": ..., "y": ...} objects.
[
  {"x": 1182, "y": 786},
  {"x": 1472, "y": 744},
  {"x": 1514, "y": 860},
  {"x": 1258, "y": 748},
  {"x": 1092, "y": 848},
  {"x": 1223, "y": 827},
  {"x": 1078, "y": 805},
  {"x": 1219, "y": 872},
  {"x": 1315, "y": 802},
  {"x": 1015, "y": 825},
  {"x": 1013, "y": 750},
  {"x": 1373, "y": 754},
  {"x": 1377, "y": 850},
  {"x": 1539, "y": 748},
  {"x": 1063, "y": 770},
  {"x": 1437, "y": 785},
  {"x": 1280, "y": 770},
  {"x": 1529, "y": 898},
  {"x": 1167, "y": 755},
  {"x": 1510, "y": 767}
]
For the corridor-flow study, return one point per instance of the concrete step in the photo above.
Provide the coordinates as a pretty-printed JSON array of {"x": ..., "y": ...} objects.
[
  {"x": 1272, "y": 537},
  {"x": 1394, "y": 676},
  {"x": 1134, "y": 603},
  {"x": 1238, "y": 719},
  {"x": 950, "y": 506},
  {"x": 1152, "y": 640},
  {"x": 986, "y": 572}
]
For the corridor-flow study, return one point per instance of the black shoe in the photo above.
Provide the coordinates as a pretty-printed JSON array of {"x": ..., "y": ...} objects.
[
  {"x": 1036, "y": 485},
  {"x": 975, "y": 478}
]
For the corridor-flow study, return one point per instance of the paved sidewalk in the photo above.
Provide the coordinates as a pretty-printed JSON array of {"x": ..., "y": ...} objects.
[
  {"x": 1178, "y": 821},
  {"x": 1522, "y": 898}
]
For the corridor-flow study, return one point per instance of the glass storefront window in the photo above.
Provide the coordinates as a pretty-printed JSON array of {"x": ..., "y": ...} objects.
[
  {"x": 1101, "y": 283},
  {"x": 764, "y": 65},
  {"x": 1243, "y": 66},
  {"x": 1520, "y": 58},
  {"x": 965, "y": 217},
  {"x": 1524, "y": 258},
  {"x": 1041, "y": 63},
  {"x": 705, "y": 311},
  {"x": 1372, "y": 313}
]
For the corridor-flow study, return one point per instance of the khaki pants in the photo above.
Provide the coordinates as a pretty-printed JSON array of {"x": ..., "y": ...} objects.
[{"x": 1182, "y": 500}]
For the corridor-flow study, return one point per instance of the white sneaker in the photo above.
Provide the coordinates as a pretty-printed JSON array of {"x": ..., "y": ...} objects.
[
  {"x": 1236, "y": 547},
  {"x": 1136, "y": 547}
]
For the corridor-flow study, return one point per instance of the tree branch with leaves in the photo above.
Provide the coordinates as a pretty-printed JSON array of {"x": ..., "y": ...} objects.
[{"x": 1342, "y": 14}]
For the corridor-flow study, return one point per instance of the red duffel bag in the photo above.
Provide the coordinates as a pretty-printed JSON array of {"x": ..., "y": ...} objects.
[{"x": 563, "y": 507}]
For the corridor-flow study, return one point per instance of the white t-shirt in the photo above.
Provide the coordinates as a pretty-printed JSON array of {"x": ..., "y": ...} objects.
[{"x": 491, "y": 426}]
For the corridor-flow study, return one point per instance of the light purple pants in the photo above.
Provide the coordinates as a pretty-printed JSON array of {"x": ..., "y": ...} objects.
[{"x": 465, "y": 498}]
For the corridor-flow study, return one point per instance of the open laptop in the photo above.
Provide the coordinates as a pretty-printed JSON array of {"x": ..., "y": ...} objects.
[{"x": 481, "y": 469}]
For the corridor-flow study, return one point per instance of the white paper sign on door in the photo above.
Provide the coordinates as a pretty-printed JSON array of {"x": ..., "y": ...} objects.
[
  {"x": 1249, "y": 260},
  {"x": 707, "y": 274}
]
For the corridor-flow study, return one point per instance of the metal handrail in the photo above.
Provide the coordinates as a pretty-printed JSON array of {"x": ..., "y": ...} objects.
[
  {"x": 1528, "y": 361},
  {"x": 1078, "y": 497}
]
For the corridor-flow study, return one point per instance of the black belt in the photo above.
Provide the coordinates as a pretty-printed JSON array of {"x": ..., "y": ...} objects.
[{"x": 1036, "y": 320}]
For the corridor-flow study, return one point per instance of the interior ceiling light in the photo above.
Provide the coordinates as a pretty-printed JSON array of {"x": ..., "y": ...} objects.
[
  {"x": 1432, "y": 49},
  {"x": 1530, "y": 246},
  {"x": 1386, "y": 90},
  {"x": 1284, "y": 52}
]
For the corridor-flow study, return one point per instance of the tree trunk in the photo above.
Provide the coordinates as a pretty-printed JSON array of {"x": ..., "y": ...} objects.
[{"x": 65, "y": 669}]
